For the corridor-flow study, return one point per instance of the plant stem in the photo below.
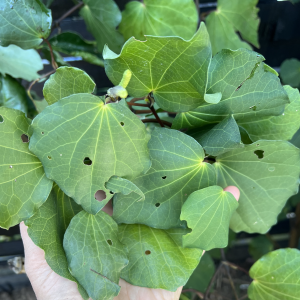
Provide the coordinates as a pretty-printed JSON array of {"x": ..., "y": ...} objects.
[
  {"x": 53, "y": 62},
  {"x": 235, "y": 267},
  {"x": 137, "y": 104},
  {"x": 199, "y": 294},
  {"x": 142, "y": 111},
  {"x": 212, "y": 282},
  {"x": 156, "y": 116},
  {"x": 155, "y": 121},
  {"x": 69, "y": 12},
  {"x": 136, "y": 99}
]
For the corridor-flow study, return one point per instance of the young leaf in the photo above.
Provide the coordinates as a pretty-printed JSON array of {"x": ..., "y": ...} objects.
[
  {"x": 47, "y": 228},
  {"x": 213, "y": 98},
  {"x": 290, "y": 72},
  {"x": 232, "y": 16},
  {"x": 94, "y": 253},
  {"x": 247, "y": 90},
  {"x": 177, "y": 170},
  {"x": 281, "y": 127},
  {"x": 82, "y": 143},
  {"x": 12, "y": 94},
  {"x": 102, "y": 17},
  {"x": 166, "y": 66},
  {"x": 20, "y": 63},
  {"x": 276, "y": 276},
  {"x": 24, "y": 23},
  {"x": 259, "y": 246},
  {"x": 208, "y": 213},
  {"x": 159, "y": 18},
  {"x": 67, "y": 81},
  {"x": 222, "y": 138},
  {"x": 24, "y": 186},
  {"x": 156, "y": 258},
  {"x": 117, "y": 184},
  {"x": 266, "y": 174}
]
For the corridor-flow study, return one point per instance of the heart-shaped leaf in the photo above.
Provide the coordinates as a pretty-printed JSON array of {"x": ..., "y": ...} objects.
[
  {"x": 173, "y": 69},
  {"x": 208, "y": 213},
  {"x": 82, "y": 143},
  {"x": 248, "y": 89},
  {"x": 95, "y": 255},
  {"x": 177, "y": 170},
  {"x": 47, "y": 228},
  {"x": 24, "y": 23},
  {"x": 156, "y": 258},
  {"x": 24, "y": 186},
  {"x": 267, "y": 174},
  {"x": 276, "y": 276},
  {"x": 67, "y": 81},
  {"x": 159, "y": 18}
]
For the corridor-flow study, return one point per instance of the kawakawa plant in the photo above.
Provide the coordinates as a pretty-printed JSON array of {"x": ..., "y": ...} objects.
[{"x": 233, "y": 120}]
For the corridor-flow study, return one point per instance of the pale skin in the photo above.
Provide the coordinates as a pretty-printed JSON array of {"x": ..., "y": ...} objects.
[{"x": 47, "y": 285}]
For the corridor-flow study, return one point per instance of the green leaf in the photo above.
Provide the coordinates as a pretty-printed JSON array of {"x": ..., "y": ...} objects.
[
  {"x": 213, "y": 98},
  {"x": 94, "y": 253},
  {"x": 101, "y": 18},
  {"x": 276, "y": 276},
  {"x": 294, "y": 1},
  {"x": 117, "y": 184},
  {"x": 67, "y": 81},
  {"x": 73, "y": 44},
  {"x": 208, "y": 213},
  {"x": 24, "y": 23},
  {"x": 159, "y": 18},
  {"x": 202, "y": 275},
  {"x": 156, "y": 258},
  {"x": 247, "y": 90},
  {"x": 177, "y": 170},
  {"x": 57, "y": 57},
  {"x": 47, "y": 228},
  {"x": 232, "y": 16},
  {"x": 259, "y": 246},
  {"x": 281, "y": 127},
  {"x": 12, "y": 94},
  {"x": 82, "y": 143},
  {"x": 222, "y": 138},
  {"x": 290, "y": 72},
  {"x": 24, "y": 186},
  {"x": 267, "y": 174},
  {"x": 166, "y": 66},
  {"x": 20, "y": 63},
  {"x": 40, "y": 105}
]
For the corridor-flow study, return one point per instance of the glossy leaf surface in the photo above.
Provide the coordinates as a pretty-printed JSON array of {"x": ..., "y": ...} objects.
[
  {"x": 266, "y": 173},
  {"x": 82, "y": 143},
  {"x": 173, "y": 69},
  {"x": 156, "y": 257},
  {"x": 208, "y": 213},
  {"x": 177, "y": 170},
  {"x": 24, "y": 23},
  {"x": 65, "y": 82},
  {"x": 159, "y": 18},
  {"x": 276, "y": 276},
  {"x": 23, "y": 184},
  {"x": 95, "y": 255}
]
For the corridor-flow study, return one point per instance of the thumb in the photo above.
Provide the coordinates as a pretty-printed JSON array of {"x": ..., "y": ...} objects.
[{"x": 234, "y": 191}]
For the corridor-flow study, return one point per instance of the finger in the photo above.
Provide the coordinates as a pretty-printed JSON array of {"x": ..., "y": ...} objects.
[{"x": 234, "y": 191}]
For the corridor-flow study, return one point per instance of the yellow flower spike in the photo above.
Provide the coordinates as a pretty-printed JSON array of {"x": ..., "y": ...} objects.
[
  {"x": 126, "y": 78},
  {"x": 120, "y": 91}
]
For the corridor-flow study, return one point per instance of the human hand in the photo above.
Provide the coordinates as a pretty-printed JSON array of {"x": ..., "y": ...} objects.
[{"x": 48, "y": 285}]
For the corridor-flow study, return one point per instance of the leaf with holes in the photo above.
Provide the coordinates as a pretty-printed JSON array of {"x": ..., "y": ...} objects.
[
  {"x": 222, "y": 138},
  {"x": 24, "y": 186},
  {"x": 248, "y": 89},
  {"x": 230, "y": 17},
  {"x": 208, "y": 213},
  {"x": 82, "y": 143},
  {"x": 173, "y": 69},
  {"x": 276, "y": 276},
  {"x": 267, "y": 174},
  {"x": 95, "y": 255},
  {"x": 120, "y": 185},
  {"x": 290, "y": 72},
  {"x": 20, "y": 63},
  {"x": 67, "y": 81},
  {"x": 156, "y": 258},
  {"x": 281, "y": 127},
  {"x": 101, "y": 18},
  {"x": 24, "y": 23},
  {"x": 159, "y": 18},
  {"x": 47, "y": 228},
  {"x": 12, "y": 94},
  {"x": 177, "y": 170}
]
